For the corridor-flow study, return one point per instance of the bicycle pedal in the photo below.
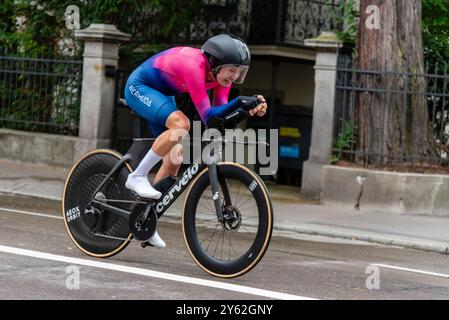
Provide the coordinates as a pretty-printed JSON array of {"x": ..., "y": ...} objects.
[
  {"x": 139, "y": 198},
  {"x": 145, "y": 244}
]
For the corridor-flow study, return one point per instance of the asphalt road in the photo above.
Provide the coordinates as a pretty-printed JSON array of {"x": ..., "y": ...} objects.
[{"x": 36, "y": 263}]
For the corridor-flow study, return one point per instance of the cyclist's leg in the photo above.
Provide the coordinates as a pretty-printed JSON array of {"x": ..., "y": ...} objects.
[
  {"x": 151, "y": 105},
  {"x": 172, "y": 161},
  {"x": 177, "y": 127},
  {"x": 170, "y": 166},
  {"x": 161, "y": 112}
]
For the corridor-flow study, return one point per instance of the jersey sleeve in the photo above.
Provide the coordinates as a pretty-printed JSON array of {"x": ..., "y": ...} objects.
[
  {"x": 195, "y": 81},
  {"x": 221, "y": 95}
]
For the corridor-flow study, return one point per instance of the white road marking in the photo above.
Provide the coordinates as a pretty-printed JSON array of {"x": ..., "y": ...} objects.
[
  {"x": 153, "y": 274},
  {"x": 412, "y": 270},
  {"x": 31, "y": 213},
  {"x": 177, "y": 215}
]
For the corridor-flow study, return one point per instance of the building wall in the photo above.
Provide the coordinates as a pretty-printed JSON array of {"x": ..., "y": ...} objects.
[
  {"x": 295, "y": 82},
  {"x": 295, "y": 87},
  {"x": 298, "y": 82}
]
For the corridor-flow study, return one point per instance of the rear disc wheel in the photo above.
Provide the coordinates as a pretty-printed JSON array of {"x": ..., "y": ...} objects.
[{"x": 95, "y": 231}]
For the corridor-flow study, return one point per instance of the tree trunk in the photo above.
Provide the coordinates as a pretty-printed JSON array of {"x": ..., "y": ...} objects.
[{"x": 393, "y": 124}]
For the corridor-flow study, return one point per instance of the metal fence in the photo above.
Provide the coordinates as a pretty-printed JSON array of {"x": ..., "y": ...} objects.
[
  {"x": 281, "y": 22},
  {"x": 352, "y": 85},
  {"x": 306, "y": 19},
  {"x": 40, "y": 95},
  {"x": 259, "y": 22}
]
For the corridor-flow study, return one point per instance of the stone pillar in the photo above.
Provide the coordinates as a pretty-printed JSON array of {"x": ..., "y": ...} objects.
[
  {"x": 320, "y": 153},
  {"x": 101, "y": 47}
]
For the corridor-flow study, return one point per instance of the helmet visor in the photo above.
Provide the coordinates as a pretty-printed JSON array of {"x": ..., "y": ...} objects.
[{"x": 233, "y": 73}]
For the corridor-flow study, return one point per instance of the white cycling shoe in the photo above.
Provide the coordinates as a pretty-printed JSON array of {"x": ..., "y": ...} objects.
[
  {"x": 156, "y": 241},
  {"x": 142, "y": 187}
]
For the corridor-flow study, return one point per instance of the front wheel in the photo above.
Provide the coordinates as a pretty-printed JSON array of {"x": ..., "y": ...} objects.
[{"x": 234, "y": 246}]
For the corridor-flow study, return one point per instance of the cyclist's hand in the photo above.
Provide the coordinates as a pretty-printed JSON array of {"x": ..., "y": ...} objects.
[{"x": 261, "y": 109}]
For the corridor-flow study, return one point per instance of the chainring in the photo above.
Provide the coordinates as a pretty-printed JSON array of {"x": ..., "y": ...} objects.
[{"x": 145, "y": 231}]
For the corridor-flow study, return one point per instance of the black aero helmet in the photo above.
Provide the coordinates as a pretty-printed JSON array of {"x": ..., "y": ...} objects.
[{"x": 226, "y": 49}]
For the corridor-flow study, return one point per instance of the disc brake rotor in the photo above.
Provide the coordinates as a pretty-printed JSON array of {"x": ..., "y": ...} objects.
[{"x": 232, "y": 218}]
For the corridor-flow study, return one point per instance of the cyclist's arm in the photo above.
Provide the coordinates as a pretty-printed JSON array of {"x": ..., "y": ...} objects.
[
  {"x": 223, "y": 110},
  {"x": 196, "y": 86},
  {"x": 221, "y": 95}
]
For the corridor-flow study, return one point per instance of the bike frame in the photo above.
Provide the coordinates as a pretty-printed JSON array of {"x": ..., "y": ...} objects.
[{"x": 136, "y": 153}]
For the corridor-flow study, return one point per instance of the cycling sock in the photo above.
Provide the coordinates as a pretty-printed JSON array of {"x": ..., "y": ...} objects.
[{"x": 147, "y": 163}]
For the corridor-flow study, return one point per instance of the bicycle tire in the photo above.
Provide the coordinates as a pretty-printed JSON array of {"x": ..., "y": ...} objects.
[
  {"x": 83, "y": 179},
  {"x": 249, "y": 259}
]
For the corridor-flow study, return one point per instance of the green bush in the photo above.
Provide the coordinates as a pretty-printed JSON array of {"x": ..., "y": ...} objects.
[
  {"x": 45, "y": 24},
  {"x": 345, "y": 141},
  {"x": 436, "y": 31},
  {"x": 37, "y": 29}
]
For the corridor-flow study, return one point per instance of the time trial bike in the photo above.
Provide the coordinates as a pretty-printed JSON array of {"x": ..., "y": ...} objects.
[{"x": 227, "y": 215}]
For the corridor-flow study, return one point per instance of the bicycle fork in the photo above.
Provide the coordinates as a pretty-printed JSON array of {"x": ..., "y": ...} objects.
[{"x": 215, "y": 181}]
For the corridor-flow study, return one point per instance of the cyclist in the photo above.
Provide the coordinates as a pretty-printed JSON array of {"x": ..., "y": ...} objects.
[{"x": 150, "y": 91}]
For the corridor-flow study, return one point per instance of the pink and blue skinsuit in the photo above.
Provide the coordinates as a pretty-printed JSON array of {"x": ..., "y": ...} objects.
[{"x": 151, "y": 88}]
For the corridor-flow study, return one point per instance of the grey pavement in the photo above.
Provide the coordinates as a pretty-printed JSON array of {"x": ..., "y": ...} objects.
[{"x": 292, "y": 214}]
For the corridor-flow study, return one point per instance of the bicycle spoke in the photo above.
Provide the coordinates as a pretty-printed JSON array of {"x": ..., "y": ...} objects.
[
  {"x": 250, "y": 206},
  {"x": 243, "y": 227},
  {"x": 239, "y": 195},
  {"x": 249, "y": 219},
  {"x": 209, "y": 228},
  {"x": 244, "y": 203},
  {"x": 241, "y": 200},
  {"x": 210, "y": 209},
  {"x": 209, "y": 220},
  {"x": 229, "y": 247},
  {"x": 210, "y": 204},
  {"x": 207, "y": 249},
  {"x": 222, "y": 242},
  {"x": 217, "y": 244},
  {"x": 233, "y": 247},
  {"x": 216, "y": 247}
]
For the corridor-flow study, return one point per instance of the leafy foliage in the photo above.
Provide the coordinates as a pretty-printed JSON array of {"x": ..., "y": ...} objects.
[
  {"x": 348, "y": 17},
  {"x": 436, "y": 31},
  {"x": 344, "y": 141},
  {"x": 38, "y": 27}
]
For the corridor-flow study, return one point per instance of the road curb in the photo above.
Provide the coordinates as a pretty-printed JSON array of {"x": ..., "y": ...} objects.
[
  {"x": 24, "y": 194},
  {"x": 319, "y": 230},
  {"x": 372, "y": 237}
]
